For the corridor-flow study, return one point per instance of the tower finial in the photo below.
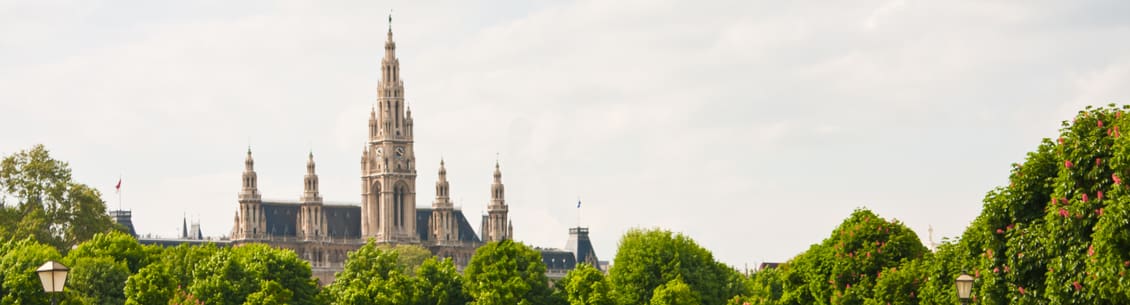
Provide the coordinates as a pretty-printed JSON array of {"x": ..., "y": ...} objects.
[{"x": 390, "y": 20}]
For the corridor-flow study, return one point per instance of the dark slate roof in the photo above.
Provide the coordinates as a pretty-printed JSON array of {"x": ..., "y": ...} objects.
[
  {"x": 580, "y": 245},
  {"x": 282, "y": 217},
  {"x": 557, "y": 259},
  {"x": 176, "y": 242},
  {"x": 343, "y": 221},
  {"x": 124, "y": 218},
  {"x": 424, "y": 219}
]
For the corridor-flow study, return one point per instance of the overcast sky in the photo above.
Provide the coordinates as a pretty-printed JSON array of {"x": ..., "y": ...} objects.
[{"x": 754, "y": 127}]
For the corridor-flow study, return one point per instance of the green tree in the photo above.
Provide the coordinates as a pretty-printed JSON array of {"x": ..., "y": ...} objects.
[
  {"x": 270, "y": 293},
  {"x": 98, "y": 280},
  {"x": 506, "y": 272},
  {"x": 766, "y": 287},
  {"x": 844, "y": 268},
  {"x": 230, "y": 275},
  {"x": 19, "y": 284},
  {"x": 371, "y": 276},
  {"x": 649, "y": 259},
  {"x": 222, "y": 279},
  {"x": 408, "y": 256},
  {"x": 48, "y": 205},
  {"x": 585, "y": 285},
  {"x": 674, "y": 292},
  {"x": 438, "y": 282},
  {"x": 158, "y": 282},
  {"x": 115, "y": 245}
]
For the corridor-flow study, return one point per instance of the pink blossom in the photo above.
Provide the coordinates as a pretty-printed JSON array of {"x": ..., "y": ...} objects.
[
  {"x": 1009, "y": 227},
  {"x": 1000, "y": 231},
  {"x": 1100, "y": 123},
  {"x": 1084, "y": 197},
  {"x": 1098, "y": 161},
  {"x": 1067, "y": 163},
  {"x": 1099, "y": 211},
  {"x": 1077, "y": 285},
  {"x": 1116, "y": 179},
  {"x": 1018, "y": 288},
  {"x": 1061, "y": 140},
  {"x": 1063, "y": 212},
  {"x": 1091, "y": 250},
  {"x": 1100, "y": 196},
  {"x": 996, "y": 269}
]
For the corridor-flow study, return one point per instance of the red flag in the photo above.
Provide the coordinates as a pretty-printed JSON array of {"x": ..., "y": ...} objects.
[{"x": 118, "y": 188}]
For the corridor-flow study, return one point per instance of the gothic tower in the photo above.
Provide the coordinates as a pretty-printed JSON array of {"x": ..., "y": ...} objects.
[
  {"x": 497, "y": 227},
  {"x": 388, "y": 164},
  {"x": 443, "y": 223},
  {"x": 250, "y": 221},
  {"x": 311, "y": 219}
]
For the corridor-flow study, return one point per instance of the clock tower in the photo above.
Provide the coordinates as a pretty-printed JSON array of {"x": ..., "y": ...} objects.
[{"x": 388, "y": 163}]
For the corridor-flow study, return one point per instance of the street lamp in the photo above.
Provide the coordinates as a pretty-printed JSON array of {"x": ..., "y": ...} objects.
[
  {"x": 54, "y": 276},
  {"x": 964, "y": 287}
]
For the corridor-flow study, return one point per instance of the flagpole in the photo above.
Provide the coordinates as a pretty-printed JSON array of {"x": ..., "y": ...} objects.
[
  {"x": 578, "y": 212},
  {"x": 119, "y": 192}
]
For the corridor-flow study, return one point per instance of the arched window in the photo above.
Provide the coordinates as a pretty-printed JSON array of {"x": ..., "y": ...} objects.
[{"x": 396, "y": 200}]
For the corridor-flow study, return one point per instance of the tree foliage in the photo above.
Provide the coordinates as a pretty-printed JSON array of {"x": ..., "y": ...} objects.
[
  {"x": 507, "y": 272},
  {"x": 370, "y": 276},
  {"x": 585, "y": 285},
  {"x": 159, "y": 281},
  {"x": 97, "y": 280},
  {"x": 438, "y": 283},
  {"x": 674, "y": 292},
  {"x": 648, "y": 259},
  {"x": 858, "y": 264},
  {"x": 39, "y": 199},
  {"x": 19, "y": 284}
]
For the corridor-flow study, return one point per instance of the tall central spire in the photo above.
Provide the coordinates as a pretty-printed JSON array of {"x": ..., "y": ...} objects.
[{"x": 388, "y": 166}]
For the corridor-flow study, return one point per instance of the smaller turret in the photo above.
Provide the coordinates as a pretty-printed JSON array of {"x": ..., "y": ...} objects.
[
  {"x": 497, "y": 223},
  {"x": 311, "y": 219}
]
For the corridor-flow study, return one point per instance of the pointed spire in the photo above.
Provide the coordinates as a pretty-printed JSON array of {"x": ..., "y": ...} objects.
[
  {"x": 250, "y": 190},
  {"x": 497, "y": 173},
  {"x": 442, "y": 169},
  {"x": 249, "y": 163},
  {"x": 311, "y": 182},
  {"x": 310, "y": 164}
]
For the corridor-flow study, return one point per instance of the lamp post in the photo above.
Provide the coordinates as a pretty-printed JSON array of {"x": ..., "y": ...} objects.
[
  {"x": 964, "y": 287},
  {"x": 54, "y": 276}
]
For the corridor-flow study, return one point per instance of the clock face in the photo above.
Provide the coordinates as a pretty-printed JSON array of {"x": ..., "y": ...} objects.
[
  {"x": 400, "y": 151},
  {"x": 380, "y": 152}
]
